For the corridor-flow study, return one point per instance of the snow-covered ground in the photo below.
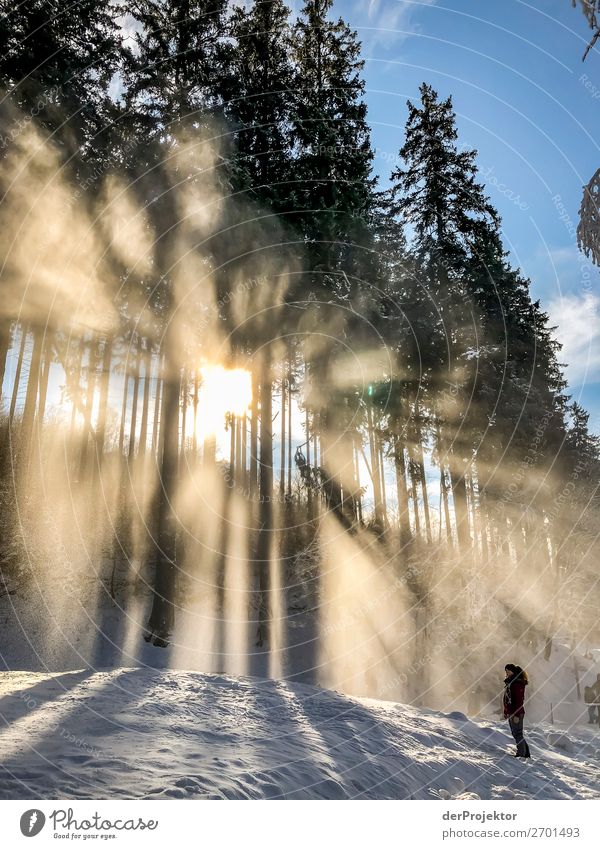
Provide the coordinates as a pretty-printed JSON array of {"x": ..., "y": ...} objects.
[{"x": 144, "y": 733}]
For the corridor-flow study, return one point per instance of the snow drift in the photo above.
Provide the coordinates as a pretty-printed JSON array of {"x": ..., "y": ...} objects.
[{"x": 151, "y": 734}]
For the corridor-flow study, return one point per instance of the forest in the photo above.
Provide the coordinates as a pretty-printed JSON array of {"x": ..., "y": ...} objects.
[{"x": 246, "y": 384}]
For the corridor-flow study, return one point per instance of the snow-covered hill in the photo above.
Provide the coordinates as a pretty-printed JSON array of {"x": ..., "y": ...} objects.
[{"x": 139, "y": 733}]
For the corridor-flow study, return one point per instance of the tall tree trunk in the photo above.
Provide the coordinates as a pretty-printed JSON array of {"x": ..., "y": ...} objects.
[
  {"x": 265, "y": 531},
  {"x": 484, "y": 525},
  {"x": 420, "y": 457},
  {"x": 474, "y": 512},
  {"x": 146, "y": 404},
  {"x": 134, "y": 402},
  {"x": 103, "y": 401},
  {"x": 282, "y": 441},
  {"x": 254, "y": 432},
  {"x": 459, "y": 494},
  {"x": 447, "y": 520},
  {"x": 17, "y": 380},
  {"x": 184, "y": 407},
  {"x": 403, "y": 512},
  {"x": 89, "y": 405},
  {"x": 309, "y": 492},
  {"x": 381, "y": 461},
  {"x": 123, "y": 409},
  {"x": 244, "y": 453},
  {"x": 374, "y": 469},
  {"x": 160, "y": 364},
  {"x": 414, "y": 482},
  {"x": 289, "y": 448},
  {"x": 5, "y": 342},
  {"x": 41, "y": 412},
  {"x": 330, "y": 460},
  {"x": 38, "y": 424},
  {"x": 358, "y": 496},
  {"x": 238, "y": 451},
  {"x": 424, "y": 492},
  {"x": 31, "y": 396},
  {"x": 162, "y": 616},
  {"x": 196, "y": 400},
  {"x": 232, "y": 429}
]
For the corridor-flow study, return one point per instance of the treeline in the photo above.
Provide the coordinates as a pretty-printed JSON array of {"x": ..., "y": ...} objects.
[{"x": 187, "y": 183}]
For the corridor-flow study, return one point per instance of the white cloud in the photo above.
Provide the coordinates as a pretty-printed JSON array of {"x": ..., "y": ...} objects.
[
  {"x": 577, "y": 318},
  {"x": 390, "y": 21}
]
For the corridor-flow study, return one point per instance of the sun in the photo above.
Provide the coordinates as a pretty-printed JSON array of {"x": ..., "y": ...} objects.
[{"x": 222, "y": 391}]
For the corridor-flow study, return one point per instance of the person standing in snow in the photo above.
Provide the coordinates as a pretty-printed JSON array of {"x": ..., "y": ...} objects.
[{"x": 513, "y": 705}]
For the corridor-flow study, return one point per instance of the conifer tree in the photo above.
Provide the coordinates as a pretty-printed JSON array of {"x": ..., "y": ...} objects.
[
  {"x": 436, "y": 192},
  {"x": 260, "y": 105},
  {"x": 333, "y": 201}
]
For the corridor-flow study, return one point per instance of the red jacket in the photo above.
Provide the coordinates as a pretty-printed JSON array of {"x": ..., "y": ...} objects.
[{"x": 514, "y": 697}]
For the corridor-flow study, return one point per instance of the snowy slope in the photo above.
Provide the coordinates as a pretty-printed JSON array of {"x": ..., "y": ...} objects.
[{"x": 139, "y": 733}]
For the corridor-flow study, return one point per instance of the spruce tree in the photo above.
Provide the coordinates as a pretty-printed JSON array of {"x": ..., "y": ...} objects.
[
  {"x": 176, "y": 80},
  {"x": 437, "y": 194},
  {"x": 334, "y": 192},
  {"x": 56, "y": 64},
  {"x": 333, "y": 202},
  {"x": 260, "y": 106}
]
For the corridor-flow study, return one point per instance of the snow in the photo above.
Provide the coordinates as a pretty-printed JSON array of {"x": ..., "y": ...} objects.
[
  {"x": 89, "y": 710},
  {"x": 152, "y": 734}
]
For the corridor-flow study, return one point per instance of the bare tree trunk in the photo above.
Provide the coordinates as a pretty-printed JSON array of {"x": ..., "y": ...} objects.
[
  {"x": 244, "y": 453},
  {"x": 420, "y": 459},
  {"x": 484, "y": 525},
  {"x": 196, "y": 399},
  {"x": 290, "y": 377},
  {"x": 330, "y": 460},
  {"x": 89, "y": 404},
  {"x": 403, "y": 514},
  {"x": 381, "y": 461},
  {"x": 17, "y": 381},
  {"x": 103, "y": 403},
  {"x": 414, "y": 475},
  {"x": 254, "y": 432},
  {"x": 134, "y": 403},
  {"x": 265, "y": 532},
  {"x": 459, "y": 493},
  {"x": 318, "y": 449},
  {"x": 160, "y": 364},
  {"x": 44, "y": 385},
  {"x": 309, "y": 493},
  {"x": 184, "y": 406},
  {"x": 374, "y": 469},
  {"x": 424, "y": 493},
  {"x": 358, "y": 496},
  {"x": 282, "y": 442},
  {"x": 473, "y": 511},
  {"x": 5, "y": 342},
  {"x": 162, "y": 616},
  {"x": 124, "y": 409},
  {"x": 146, "y": 404},
  {"x": 447, "y": 521},
  {"x": 44, "y": 382},
  {"x": 31, "y": 395},
  {"x": 238, "y": 451},
  {"x": 232, "y": 429}
]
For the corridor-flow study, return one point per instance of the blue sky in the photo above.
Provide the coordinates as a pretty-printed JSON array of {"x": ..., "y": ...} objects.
[{"x": 528, "y": 104}]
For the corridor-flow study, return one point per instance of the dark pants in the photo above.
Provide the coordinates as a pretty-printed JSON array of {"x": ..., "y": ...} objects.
[{"x": 516, "y": 728}]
